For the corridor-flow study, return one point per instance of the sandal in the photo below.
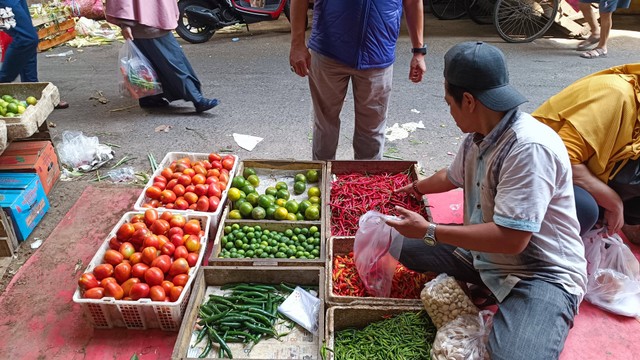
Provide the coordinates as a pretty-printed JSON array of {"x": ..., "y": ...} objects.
[
  {"x": 594, "y": 53},
  {"x": 588, "y": 42}
]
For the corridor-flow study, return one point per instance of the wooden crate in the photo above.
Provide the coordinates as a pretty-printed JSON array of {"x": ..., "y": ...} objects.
[
  {"x": 56, "y": 33},
  {"x": 8, "y": 238},
  {"x": 299, "y": 344}
]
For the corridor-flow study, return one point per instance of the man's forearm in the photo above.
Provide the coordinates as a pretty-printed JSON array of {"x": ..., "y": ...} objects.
[
  {"x": 601, "y": 192},
  {"x": 414, "y": 15},
  {"x": 298, "y": 13}
]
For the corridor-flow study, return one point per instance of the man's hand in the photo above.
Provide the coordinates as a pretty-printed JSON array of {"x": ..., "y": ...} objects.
[
  {"x": 411, "y": 224},
  {"x": 126, "y": 33},
  {"x": 417, "y": 68},
  {"x": 300, "y": 60},
  {"x": 614, "y": 220}
]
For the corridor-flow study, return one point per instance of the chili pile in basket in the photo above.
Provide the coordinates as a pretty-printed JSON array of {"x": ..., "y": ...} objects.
[
  {"x": 407, "y": 284},
  {"x": 354, "y": 194}
]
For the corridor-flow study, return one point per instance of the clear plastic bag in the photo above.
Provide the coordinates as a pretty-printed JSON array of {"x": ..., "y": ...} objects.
[
  {"x": 83, "y": 153},
  {"x": 613, "y": 281},
  {"x": 444, "y": 300},
  {"x": 138, "y": 78},
  {"x": 303, "y": 308},
  {"x": 464, "y": 338},
  {"x": 376, "y": 249}
]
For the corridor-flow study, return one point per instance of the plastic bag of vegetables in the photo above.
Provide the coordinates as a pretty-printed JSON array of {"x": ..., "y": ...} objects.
[{"x": 138, "y": 78}]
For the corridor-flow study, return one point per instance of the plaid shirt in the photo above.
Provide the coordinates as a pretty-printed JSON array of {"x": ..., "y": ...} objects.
[{"x": 519, "y": 177}]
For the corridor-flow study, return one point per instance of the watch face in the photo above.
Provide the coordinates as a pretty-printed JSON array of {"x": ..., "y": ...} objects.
[{"x": 429, "y": 241}]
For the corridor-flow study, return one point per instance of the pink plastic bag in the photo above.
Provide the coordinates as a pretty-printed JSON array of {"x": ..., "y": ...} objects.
[
  {"x": 376, "y": 249},
  {"x": 92, "y": 9}
]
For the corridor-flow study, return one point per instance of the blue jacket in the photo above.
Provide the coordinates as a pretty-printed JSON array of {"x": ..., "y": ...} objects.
[{"x": 359, "y": 33}]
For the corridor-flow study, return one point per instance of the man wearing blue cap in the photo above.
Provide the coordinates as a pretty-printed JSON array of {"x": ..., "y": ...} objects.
[{"x": 520, "y": 236}]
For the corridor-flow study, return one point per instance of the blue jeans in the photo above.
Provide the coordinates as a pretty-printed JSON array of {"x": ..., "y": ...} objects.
[
  {"x": 21, "y": 57},
  {"x": 532, "y": 322}
]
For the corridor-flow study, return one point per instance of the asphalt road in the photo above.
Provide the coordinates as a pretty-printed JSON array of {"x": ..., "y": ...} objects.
[{"x": 261, "y": 97}]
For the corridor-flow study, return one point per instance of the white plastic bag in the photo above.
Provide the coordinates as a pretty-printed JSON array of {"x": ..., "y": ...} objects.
[
  {"x": 82, "y": 153},
  {"x": 303, "y": 308},
  {"x": 613, "y": 281},
  {"x": 376, "y": 249},
  {"x": 137, "y": 76},
  {"x": 444, "y": 300},
  {"x": 464, "y": 338}
]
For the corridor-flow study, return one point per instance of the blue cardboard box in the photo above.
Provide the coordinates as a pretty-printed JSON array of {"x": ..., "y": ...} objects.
[{"x": 23, "y": 199}]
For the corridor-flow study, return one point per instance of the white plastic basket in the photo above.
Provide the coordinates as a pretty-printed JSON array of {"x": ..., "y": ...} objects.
[
  {"x": 173, "y": 156},
  {"x": 107, "y": 313}
]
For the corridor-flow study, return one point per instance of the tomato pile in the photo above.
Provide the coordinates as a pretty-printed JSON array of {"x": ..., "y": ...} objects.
[
  {"x": 149, "y": 257},
  {"x": 187, "y": 185}
]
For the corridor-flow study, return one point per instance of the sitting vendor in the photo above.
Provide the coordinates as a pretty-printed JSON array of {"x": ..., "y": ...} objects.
[{"x": 597, "y": 118}]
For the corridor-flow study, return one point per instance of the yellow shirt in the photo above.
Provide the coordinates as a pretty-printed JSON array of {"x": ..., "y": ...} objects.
[{"x": 597, "y": 118}]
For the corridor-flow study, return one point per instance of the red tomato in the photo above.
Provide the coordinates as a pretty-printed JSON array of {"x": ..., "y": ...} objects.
[
  {"x": 191, "y": 197},
  {"x": 105, "y": 281},
  {"x": 181, "y": 204},
  {"x": 190, "y": 188},
  {"x": 179, "y": 266},
  {"x": 206, "y": 164},
  {"x": 176, "y": 291},
  {"x": 167, "y": 286},
  {"x": 224, "y": 178},
  {"x": 88, "y": 281},
  {"x": 177, "y": 221},
  {"x": 122, "y": 272},
  {"x": 214, "y": 171},
  {"x": 176, "y": 230},
  {"x": 113, "y": 257},
  {"x": 138, "y": 291},
  {"x": 126, "y": 249},
  {"x": 170, "y": 185},
  {"x": 192, "y": 259},
  {"x": 160, "y": 185},
  {"x": 167, "y": 173},
  {"x": 154, "y": 276},
  {"x": 94, "y": 293},
  {"x": 181, "y": 252},
  {"x": 190, "y": 172},
  {"x": 180, "y": 280},
  {"x": 179, "y": 190},
  {"x": 153, "y": 192},
  {"x": 127, "y": 285},
  {"x": 198, "y": 179},
  {"x": 214, "y": 157},
  {"x": 192, "y": 227},
  {"x": 149, "y": 254},
  {"x": 199, "y": 169},
  {"x": 160, "y": 178},
  {"x": 214, "y": 202},
  {"x": 176, "y": 175},
  {"x": 125, "y": 231},
  {"x": 162, "y": 262},
  {"x": 177, "y": 240},
  {"x": 114, "y": 243},
  {"x": 167, "y": 215},
  {"x": 157, "y": 293},
  {"x": 160, "y": 227},
  {"x": 201, "y": 189},
  {"x": 168, "y": 249},
  {"x": 167, "y": 196},
  {"x": 104, "y": 271},
  {"x": 184, "y": 180},
  {"x": 137, "y": 218},
  {"x": 150, "y": 215},
  {"x": 202, "y": 204},
  {"x": 170, "y": 206},
  {"x": 161, "y": 241},
  {"x": 192, "y": 243},
  {"x": 154, "y": 203},
  {"x": 228, "y": 161},
  {"x": 113, "y": 290},
  {"x": 138, "y": 270},
  {"x": 214, "y": 190},
  {"x": 135, "y": 258},
  {"x": 140, "y": 225},
  {"x": 138, "y": 237}
]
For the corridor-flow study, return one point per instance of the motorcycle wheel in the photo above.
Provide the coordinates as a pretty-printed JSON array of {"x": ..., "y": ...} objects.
[
  {"x": 192, "y": 30},
  {"x": 287, "y": 13}
]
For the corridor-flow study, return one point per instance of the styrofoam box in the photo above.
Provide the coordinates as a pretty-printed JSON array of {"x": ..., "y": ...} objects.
[
  {"x": 144, "y": 313},
  {"x": 173, "y": 156}
]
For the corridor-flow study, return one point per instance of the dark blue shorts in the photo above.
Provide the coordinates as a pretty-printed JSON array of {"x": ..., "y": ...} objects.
[{"x": 609, "y": 6}]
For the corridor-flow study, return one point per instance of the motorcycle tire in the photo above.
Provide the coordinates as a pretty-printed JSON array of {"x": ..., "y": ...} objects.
[
  {"x": 189, "y": 30},
  {"x": 287, "y": 13}
]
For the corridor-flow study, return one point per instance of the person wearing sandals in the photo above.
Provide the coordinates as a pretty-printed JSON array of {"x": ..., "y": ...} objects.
[
  {"x": 520, "y": 236},
  {"x": 150, "y": 26},
  {"x": 599, "y": 33},
  {"x": 598, "y": 119}
]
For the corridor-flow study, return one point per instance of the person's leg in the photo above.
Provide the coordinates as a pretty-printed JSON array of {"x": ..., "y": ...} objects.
[
  {"x": 532, "y": 322},
  {"x": 328, "y": 84},
  {"x": 586, "y": 208},
  {"x": 371, "y": 91},
  {"x": 587, "y": 12},
  {"x": 29, "y": 72},
  {"x": 22, "y": 51},
  {"x": 631, "y": 229},
  {"x": 605, "y": 29}
]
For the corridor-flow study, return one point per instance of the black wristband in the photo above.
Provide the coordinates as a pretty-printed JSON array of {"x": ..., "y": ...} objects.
[
  {"x": 421, "y": 50},
  {"x": 414, "y": 186}
]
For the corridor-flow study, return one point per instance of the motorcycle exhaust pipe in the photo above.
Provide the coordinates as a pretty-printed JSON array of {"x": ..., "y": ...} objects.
[{"x": 200, "y": 14}]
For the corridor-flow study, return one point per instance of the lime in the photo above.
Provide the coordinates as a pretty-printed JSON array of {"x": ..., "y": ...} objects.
[
  {"x": 299, "y": 216},
  {"x": 245, "y": 209},
  {"x": 253, "y": 180},
  {"x": 238, "y": 182},
  {"x": 281, "y": 202},
  {"x": 312, "y": 176},
  {"x": 235, "y": 214},
  {"x": 291, "y": 206},
  {"x": 313, "y": 191},
  {"x": 258, "y": 213},
  {"x": 299, "y": 187},
  {"x": 252, "y": 198},
  {"x": 9, "y": 114},
  {"x": 7, "y": 98},
  {"x": 248, "y": 188},
  {"x": 21, "y": 109},
  {"x": 313, "y": 230},
  {"x": 271, "y": 210},
  {"x": 12, "y": 108},
  {"x": 3, "y": 110},
  {"x": 271, "y": 191},
  {"x": 248, "y": 172},
  {"x": 32, "y": 100},
  {"x": 281, "y": 185},
  {"x": 292, "y": 217},
  {"x": 314, "y": 200},
  {"x": 300, "y": 177},
  {"x": 280, "y": 213},
  {"x": 283, "y": 194},
  {"x": 304, "y": 205},
  {"x": 233, "y": 194},
  {"x": 265, "y": 201},
  {"x": 312, "y": 213}
]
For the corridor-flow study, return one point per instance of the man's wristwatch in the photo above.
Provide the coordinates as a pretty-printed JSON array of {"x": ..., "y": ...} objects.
[
  {"x": 430, "y": 237},
  {"x": 420, "y": 50}
]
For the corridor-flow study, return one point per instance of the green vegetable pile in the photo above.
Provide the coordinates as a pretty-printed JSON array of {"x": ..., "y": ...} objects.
[
  {"x": 246, "y": 315},
  {"x": 256, "y": 242},
  {"x": 407, "y": 336}
]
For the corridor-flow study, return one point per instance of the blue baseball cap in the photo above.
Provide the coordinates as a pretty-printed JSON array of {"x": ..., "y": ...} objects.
[{"x": 481, "y": 69}]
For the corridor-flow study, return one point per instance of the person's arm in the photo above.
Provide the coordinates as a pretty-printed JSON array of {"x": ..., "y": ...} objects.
[
  {"x": 414, "y": 14},
  {"x": 299, "y": 56},
  {"x": 487, "y": 237},
  {"x": 603, "y": 194},
  {"x": 436, "y": 183}
]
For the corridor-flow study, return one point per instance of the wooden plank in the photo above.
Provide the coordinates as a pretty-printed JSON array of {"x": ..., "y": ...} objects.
[
  {"x": 43, "y": 19},
  {"x": 56, "y": 28},
  {"x": 60, "y": 39}
]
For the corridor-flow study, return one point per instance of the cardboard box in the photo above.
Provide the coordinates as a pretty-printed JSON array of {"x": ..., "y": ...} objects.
[
  {"x": 23, "y": 200},
  {"x": 32, "y": 156}
]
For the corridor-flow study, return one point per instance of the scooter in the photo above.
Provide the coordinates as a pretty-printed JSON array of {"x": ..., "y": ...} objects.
[{"x": 199, "y": 19}]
